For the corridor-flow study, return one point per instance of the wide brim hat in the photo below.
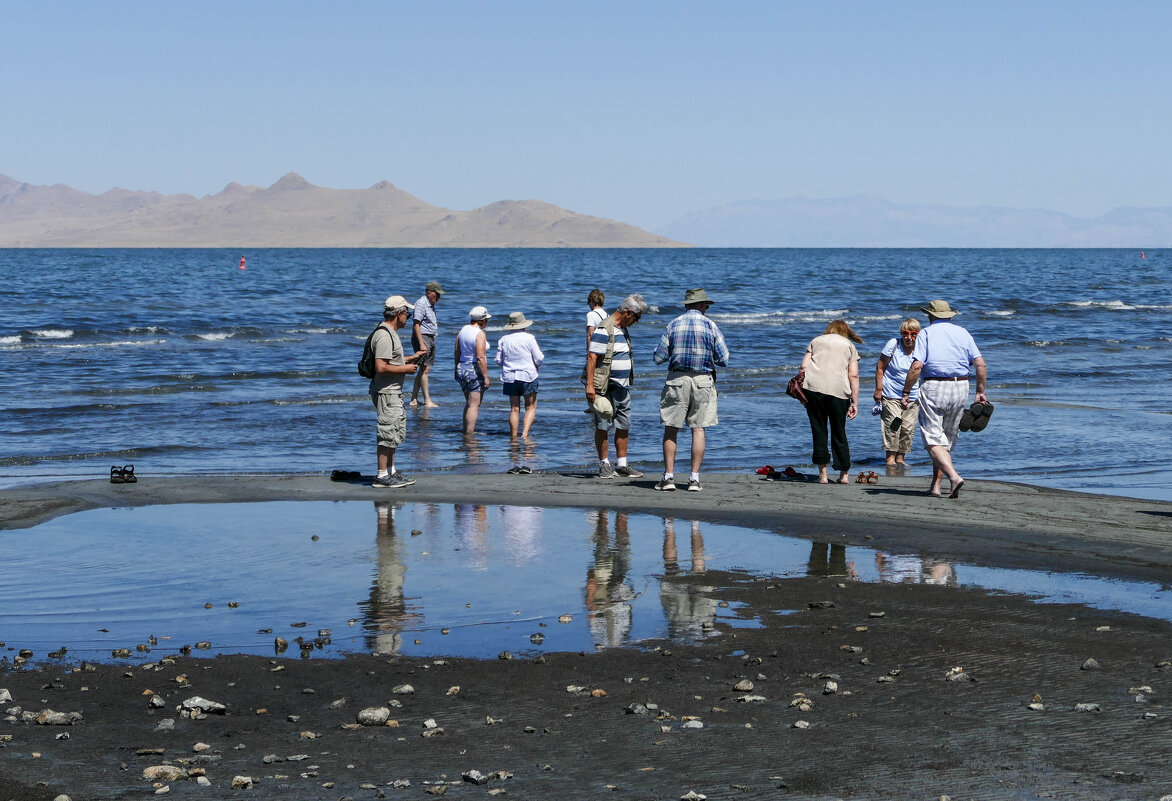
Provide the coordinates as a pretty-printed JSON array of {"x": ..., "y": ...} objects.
[
  {"x": 603, "y": 407},
  {"x": 516, "y": 322},
  {"x": 939, "y": 309},
  {"x": 696, "y": 296}
]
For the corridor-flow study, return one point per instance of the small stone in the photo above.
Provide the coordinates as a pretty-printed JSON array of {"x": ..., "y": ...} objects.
[
  {"x": 120, "y": 653},
  {"x": 308, "y": 735},
  {"x": 163, "y": 773},
  {"x": 635, "y": 709},
  {"x": 63, "y": 797},
  {"x": 1103, "y": 628},
  {"x": 198, "y": 704},
  {"x": 1091, "y": 664},
  {"x": 597, "y": 693},
  {"x": 241, "y": 782},
  {"x": 163, "y": 790},
  {"x": 166, "y": 724},
  {"x": 338, "y": 703},
  {"x": 1036, "y": 707},
  {"x": 692, "y": 795},
  {"x": 403, "y": 689},
  {"x": 374, "y": 716},
  {"x": 752, "y": 699},
  {"x": 5, "y": 696},
  {"x": 537, "y": 639},
  {"x": 489, "y": 720},
  {"x": 203, "y": 781},
  {"x": 801, "y": 724},
  {"x": 156, "y": 702},
  {"x": 876, "y": 614},
  {"x": 474, "y": 777},
  {"x": 883, "y": 679},
  {"x": 453, "y": 690},
  {"x": 203, "y": 645},
  {"x": 436, "y": 789},
  {"x": 47, "y": 717},
  {"x": 566, "y": 619},
  {"x": 821, "y": 604},
  {"x": 830, "y": 688},
  {"x": 199, "y": 748},
  {"x": 854, "y": 649},
  {"x": 1087, "y": 708},
  {"x": 505, "y": 655},
  {"x": 693, "y": 724},
  {"x": 270, "y": 759},
  {"x": 743, "y": 686}
]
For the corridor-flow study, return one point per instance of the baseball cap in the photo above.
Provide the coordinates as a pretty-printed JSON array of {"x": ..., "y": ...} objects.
[
  {"x": 478, "y": 313},
  {"x": 397, "y": 302}
]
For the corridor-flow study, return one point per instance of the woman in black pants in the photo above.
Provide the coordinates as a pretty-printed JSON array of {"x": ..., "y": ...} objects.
[{"x": 831, "y": 385}]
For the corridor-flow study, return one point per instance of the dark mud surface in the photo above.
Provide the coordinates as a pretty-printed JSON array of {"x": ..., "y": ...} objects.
[{"x": 918, "y": 735}]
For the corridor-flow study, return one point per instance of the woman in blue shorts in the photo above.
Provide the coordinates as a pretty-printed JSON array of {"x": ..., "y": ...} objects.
[
  {"x": 472, "y": 364},
  {"x": 519, "y": 357}
]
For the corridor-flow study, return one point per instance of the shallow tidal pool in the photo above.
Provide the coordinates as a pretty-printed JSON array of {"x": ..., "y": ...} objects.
[{"x": 425, "y": 579}]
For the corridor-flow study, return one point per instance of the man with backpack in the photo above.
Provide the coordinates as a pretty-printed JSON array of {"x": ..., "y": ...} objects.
[
  {"x": 383, "y": 359},
  {"x": 608, "y": 376}
]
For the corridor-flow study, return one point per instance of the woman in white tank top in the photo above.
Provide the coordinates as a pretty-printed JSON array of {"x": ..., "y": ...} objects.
[{"x": 472, "y": 364}]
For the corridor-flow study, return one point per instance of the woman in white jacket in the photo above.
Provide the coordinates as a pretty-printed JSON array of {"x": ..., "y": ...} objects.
[{"x": 519, "y": 357}]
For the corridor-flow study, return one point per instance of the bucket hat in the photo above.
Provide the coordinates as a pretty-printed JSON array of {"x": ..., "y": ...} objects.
[
  {"x": 696, "y": 296},
  {"x": 603, "y": 408},
  {"x": 517, "y": 321},
  {"x": 478, "y": 313},
  {"x": 395, "y": 302},
  {"x": 939, "y": 309},
  {"x": 434, "y": 286}
]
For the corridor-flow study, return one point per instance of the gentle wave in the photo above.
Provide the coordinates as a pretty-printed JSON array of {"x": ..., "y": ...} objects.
[
  {"x": 146, "y": 329},
  {"x": 16, "y": 340},
  {"x": 781, "y": 317},
  {"x": 999, "y": 313},
  {"x": 216, "y": 336},
  {"x": 1115, "y": 305},
  {"x": 52, "y": 333}
]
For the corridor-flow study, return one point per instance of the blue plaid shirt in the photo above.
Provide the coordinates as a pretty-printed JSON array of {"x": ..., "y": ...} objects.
[{"x": 691, "y": 342}]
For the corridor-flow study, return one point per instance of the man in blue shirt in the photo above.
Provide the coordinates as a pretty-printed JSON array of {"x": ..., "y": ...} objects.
[
  {"x": 943, "y": 353},
  {"x": 423, "y": 335},
  {"x": 693, "y": 348}
]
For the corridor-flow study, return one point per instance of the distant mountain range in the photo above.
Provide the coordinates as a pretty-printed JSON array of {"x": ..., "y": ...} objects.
[
  {"x": 867, "y": 221},
  {"x": 292, "y": 213}
]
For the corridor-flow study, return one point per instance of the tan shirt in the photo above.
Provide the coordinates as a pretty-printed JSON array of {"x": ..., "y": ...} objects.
[
  {"x": 387, "y": 345},
  {"x": 830, "y": 357}
]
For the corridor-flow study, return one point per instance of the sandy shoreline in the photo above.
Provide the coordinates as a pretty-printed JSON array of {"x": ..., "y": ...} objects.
[{"x": 894, "y": 725}]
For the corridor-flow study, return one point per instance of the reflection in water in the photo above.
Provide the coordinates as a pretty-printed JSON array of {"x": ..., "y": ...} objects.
[
  {"x": 830, "y": 560},
  {"x": 900, "y": 569},
  {"x": 608, "y": 591},
  {"x": 522, "y": 532},
  {"x": 386, "y": 611},
  {"x": 688, "y": 607},
  {"x": 523, "y": 451},
  {"x": 472, "y": 529}
]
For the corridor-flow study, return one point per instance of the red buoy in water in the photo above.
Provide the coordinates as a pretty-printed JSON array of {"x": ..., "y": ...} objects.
[{"x": 241, "y": 262}]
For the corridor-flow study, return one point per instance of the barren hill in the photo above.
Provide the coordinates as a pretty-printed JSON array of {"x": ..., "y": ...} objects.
[{"x": 292, "y": 213}]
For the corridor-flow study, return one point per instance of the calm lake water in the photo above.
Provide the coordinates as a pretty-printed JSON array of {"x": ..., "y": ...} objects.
[
  {"x": 430, "y": 579},
  {"x": 180, "y": 363}
]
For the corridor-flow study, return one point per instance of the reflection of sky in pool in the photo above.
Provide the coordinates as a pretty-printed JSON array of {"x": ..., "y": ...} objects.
[{"x": 474, "y": 581}]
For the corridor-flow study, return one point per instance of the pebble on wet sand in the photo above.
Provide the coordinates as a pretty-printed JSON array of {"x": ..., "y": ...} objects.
[
  {"x": 374, "y": 716},
  {"x": 1090, "y": 664},
  {"x": 241, "y": 782}
]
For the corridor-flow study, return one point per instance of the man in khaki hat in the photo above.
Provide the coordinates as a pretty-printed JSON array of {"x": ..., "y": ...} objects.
[
  {"x": 423, "y": 335},
  {"x": 693, "y": 348},
  {"x": 391, "y": 368},
  {"x": 943, "y": 354}
]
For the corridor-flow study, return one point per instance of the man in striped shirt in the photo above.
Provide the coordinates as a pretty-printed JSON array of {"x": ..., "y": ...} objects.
[
  {"x": 611, "y": 354},
  {"x": 693, "y": 348}
]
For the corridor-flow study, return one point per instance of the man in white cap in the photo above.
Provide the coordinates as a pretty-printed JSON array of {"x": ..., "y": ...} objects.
[
  {"x": 693, "y": 348},
  {"x": 608, "y": 376},
  {"x": 391, "y": 368},
  {"x": 943, "y": 354}
]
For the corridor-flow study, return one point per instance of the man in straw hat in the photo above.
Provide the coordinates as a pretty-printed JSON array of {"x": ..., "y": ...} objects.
[
  {"x": 391, "y": 368},
  {"x": 943, "y": 354},
  {"x": 423, "y": 334},
  {"x": 693, "y": 348},
  {"x": 608, "y": 376}
]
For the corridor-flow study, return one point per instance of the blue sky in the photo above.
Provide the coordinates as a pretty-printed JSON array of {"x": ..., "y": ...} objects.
[{"x": 641, "y": 111}]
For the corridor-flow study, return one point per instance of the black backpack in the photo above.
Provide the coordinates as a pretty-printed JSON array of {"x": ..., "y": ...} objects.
[{"x": 366, "y": 363}]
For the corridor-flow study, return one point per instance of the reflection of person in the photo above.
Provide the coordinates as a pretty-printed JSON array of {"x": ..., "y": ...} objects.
[
  {"x": 944, "y": 351},
  {"x": 423, "y": 336},
  {"x": 519, "y": 357},
  {"x": 472, "y": 364},
  {"x": 899, "y": 569},
  {"x": 890, "y": 374},
  {"x": 608, "y": 591},
  {"x": 831, "y": 365},
  {"x": 386, "y": 609},
  {"x": 688, "y": 607},
  {"x": 391, "y": 368},
  {"x": 611, "y": 355},
  {"x": 693, "y": 348},
  {"x": 830, "y": 560}
]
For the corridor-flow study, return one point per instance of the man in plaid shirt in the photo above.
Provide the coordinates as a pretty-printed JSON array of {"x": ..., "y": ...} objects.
[{"x": 693, "y": 348}]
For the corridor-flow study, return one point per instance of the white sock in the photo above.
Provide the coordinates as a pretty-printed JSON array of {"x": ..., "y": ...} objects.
[
  {"x": 668, "y": 476},
  {"x": 622, "y": 461},
  {"x": 694, "y": 477},
  {"x": 382, "y": 473},
  {"x": 604, "y": 460},
  {"x": 391, "y": 469}
]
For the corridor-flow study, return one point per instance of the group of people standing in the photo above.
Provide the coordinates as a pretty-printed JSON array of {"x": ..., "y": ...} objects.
[{"x": 921, "y": 376}]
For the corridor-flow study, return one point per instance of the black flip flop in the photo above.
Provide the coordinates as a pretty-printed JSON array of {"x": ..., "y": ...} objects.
[
  {"x": 972, "y": 415},
  {"x": 515, "y": 469},
  {"x": 128, "y": 476},
  {"x": 525, "y": 470},
  {"x": 116, "y": 475},
  {"x": 981, "y": 417}
]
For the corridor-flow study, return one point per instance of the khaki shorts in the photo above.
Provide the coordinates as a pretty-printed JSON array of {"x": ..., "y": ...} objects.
[
  {"x": 688, "y": 399},
  {"x": 392, "y": 420}
]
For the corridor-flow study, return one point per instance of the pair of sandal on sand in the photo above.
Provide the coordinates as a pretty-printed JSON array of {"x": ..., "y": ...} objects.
[
  {"x": 522, "y": 469},
  {"x": 867, "y": 477},
  {"x": 123, "y": 474},
  {"x": 788, "y": 474},
  {"x": 976, "y": 417}
]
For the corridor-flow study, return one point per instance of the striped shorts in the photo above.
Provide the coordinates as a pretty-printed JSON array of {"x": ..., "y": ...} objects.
[{"x": 941, "y": 405}]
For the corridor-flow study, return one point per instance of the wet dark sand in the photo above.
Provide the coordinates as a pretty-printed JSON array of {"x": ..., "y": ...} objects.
[{"x": 918, "y": 736}]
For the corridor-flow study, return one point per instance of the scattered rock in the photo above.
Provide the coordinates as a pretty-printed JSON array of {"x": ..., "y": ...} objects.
[
  {"x": 338, "y": 704},
  {"x": 693, "y": 724},
  {"x": 403, "y": 689},
  {"x": 957, "y": 674},
  {"x": 241, "y": 782},
  {"x": 166, "y": 724},
  {"x": 163, "y": 773},
  {"x": 692, "y": 795},
  {"x": 489, "y": 720},
  {"x": 1091, "y": 664},
  {"x": 196, "y": 705},
  {"x": 270, "y": 759},
  {"x": 505, "y": 655},
  {"x": 199, "y": 748},
  {"x": 1087, "y": 708},
  {"x": 374, "y": 716},
  {"x": 743, "y": 686},
  {"x": 876, "y": 614},
  {"x": 47, "y": 717},
  {"x": 474, "y": 777},
  {"x": 566, "y": 619},
  {"x": 203, "y": 781},
  {"x": 801, "y": 724},
  {"x": 156, "y": 702},
  {"x": 598, "y": 693},
  {"x": 830, "y": 688},
  {"x": 5, "y": 696},
  {"x": 821, "y": 604},
  {"x": 537, "y": 639}
]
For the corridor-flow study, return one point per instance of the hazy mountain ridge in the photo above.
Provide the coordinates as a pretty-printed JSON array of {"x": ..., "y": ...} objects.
[
  {"x": 869, "y": 221},
  {"x": 292, "y": 213}
]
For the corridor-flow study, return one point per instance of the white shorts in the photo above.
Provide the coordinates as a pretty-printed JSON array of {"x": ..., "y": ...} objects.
[{"x": 942, "y": 403}]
